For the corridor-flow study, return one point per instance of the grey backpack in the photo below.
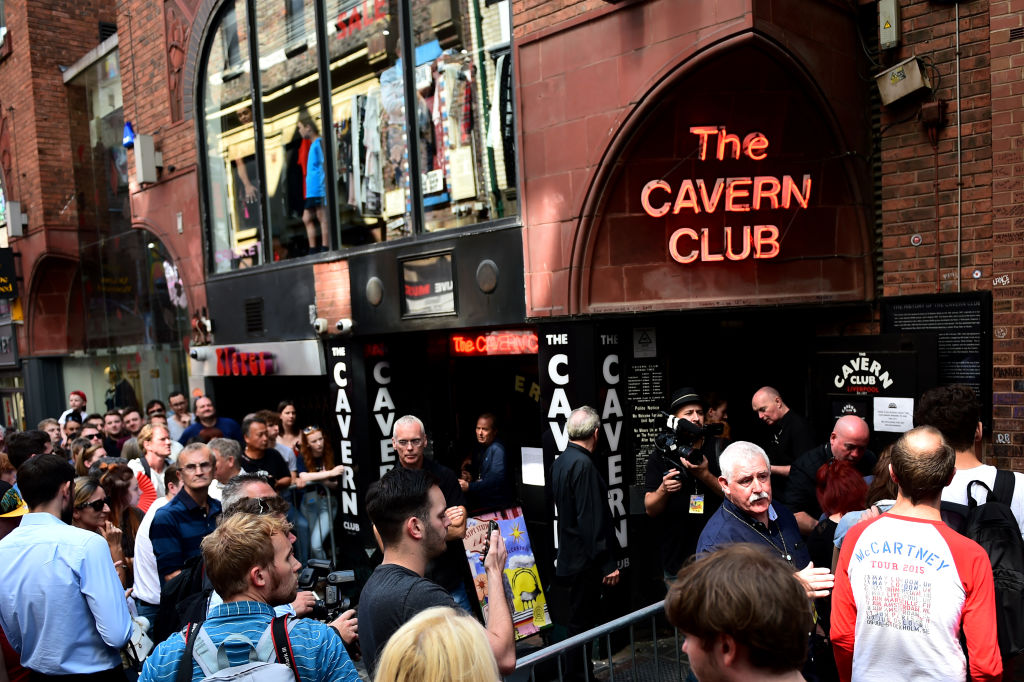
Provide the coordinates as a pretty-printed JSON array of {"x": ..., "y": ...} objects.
[{"x": 270, "y": 659}]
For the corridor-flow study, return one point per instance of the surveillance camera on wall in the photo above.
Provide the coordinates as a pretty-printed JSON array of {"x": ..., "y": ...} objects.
[
  {"x": 344, "y": 326},
  {"x": 197, "y": 354},
  {"x": 320, "y": 325}
]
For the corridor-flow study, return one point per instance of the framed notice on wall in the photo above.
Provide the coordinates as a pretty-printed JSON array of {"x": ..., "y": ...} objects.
[
  {"x": 963, "y": 325},
  {"x": 428, "y": 287}
]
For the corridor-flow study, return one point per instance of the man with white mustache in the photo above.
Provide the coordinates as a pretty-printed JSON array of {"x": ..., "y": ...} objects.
[{"x": 748, "y": 515}]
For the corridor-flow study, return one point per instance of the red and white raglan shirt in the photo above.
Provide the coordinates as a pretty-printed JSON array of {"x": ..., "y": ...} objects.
[{"x": 903, "y": 588}]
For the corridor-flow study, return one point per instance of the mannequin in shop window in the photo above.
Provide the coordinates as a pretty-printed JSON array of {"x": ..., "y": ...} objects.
[
  {"x": 119, "y": 393},
  {"x": 314, "y": 209}
]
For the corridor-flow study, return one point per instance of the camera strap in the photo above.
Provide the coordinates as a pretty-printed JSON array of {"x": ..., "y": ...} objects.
[{"x": 283, "y": 644}]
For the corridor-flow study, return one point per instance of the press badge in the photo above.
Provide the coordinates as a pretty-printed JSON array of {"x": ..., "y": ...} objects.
[{"x": 696, "y": 504}]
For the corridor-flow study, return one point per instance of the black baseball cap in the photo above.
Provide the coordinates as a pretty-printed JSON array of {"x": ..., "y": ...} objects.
[{"x": 685, "y": 396}]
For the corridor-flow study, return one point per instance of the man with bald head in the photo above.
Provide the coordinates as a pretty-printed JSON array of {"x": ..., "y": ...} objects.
[
  {"x": 789, "y": 435},
  {"x": 848, "y": 442}
]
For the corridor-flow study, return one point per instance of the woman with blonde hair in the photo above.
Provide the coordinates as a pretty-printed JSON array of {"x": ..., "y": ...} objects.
[{"x": 439, "y": 644}]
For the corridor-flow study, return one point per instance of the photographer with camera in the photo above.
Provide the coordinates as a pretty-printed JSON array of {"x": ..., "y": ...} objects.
[{"x": 681, "y": 487}]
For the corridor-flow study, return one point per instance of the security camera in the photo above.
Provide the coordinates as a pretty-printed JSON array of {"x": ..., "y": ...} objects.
[
  {"x": 344, "y": 325},
  {"x": 320, "y": 325},
  {"x": 197, "y": 354}
]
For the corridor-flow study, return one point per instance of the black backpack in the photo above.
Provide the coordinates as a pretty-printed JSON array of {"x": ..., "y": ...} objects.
[
  {"x": 993, "y": 526},
  {"x": 183, "y": 599}
]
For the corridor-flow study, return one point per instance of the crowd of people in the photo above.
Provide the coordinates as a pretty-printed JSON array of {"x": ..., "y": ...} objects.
[{"x": 189, "y": 529}]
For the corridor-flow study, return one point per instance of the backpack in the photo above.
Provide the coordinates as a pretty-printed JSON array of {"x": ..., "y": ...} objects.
[
  {"x": 993, "y": 526},
  {"x": 270, "y": 659},
  {"x": 183, "y": 599}
]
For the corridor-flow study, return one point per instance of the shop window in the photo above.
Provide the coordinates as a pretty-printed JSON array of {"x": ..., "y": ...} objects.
[
  {"x": 291, "y": 174},
  {"x": 234, "y": 199},
  {"x": 463, "y": 86}
]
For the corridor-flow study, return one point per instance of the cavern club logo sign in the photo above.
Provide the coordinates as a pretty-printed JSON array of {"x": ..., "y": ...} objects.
[
  {"x": 862, "y": 374},
  {"x": 732, "y": 195}
]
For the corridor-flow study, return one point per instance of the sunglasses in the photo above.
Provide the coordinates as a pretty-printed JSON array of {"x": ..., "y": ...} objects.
[
  {"x": 156, "y": 413},
  {"x": 96, "y": 505},
  {"x": 310, "y": 429}
]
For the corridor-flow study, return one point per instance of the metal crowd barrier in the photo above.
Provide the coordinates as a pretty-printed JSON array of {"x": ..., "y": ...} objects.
[{"x": 644, "y": 661}]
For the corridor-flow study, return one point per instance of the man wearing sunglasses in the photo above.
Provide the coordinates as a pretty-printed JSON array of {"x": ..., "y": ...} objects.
[{"x": 49, "y": 569}]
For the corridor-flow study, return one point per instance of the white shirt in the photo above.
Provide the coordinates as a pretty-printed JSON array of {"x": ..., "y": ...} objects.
[
  {"x": 215, "y": 488},
  {"x": 147, "y": 580},
  {"x": 174, "y": 428},
  {"x": 288, "y": 454},
  {"x": 157, "y": 477},
  {"x": 956, "y": 491}
]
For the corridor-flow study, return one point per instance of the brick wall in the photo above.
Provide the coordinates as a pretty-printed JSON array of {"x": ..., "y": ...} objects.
[
  {"x": 332, "y": 292},
  {"x": 991, "y": 221},
  {"x": 1007, "y": 232}
]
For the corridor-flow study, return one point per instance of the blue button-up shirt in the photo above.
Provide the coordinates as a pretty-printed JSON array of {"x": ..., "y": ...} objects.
[
  {"x": 62, "y": 606},
  {"x": 319, "y": 653},
  {"x": 178, "y": 529},
  {"x": 730, "y": 524}
]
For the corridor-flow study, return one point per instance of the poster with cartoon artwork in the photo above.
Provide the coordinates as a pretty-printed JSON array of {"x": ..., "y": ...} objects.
[{"x": 522, "y": 581}]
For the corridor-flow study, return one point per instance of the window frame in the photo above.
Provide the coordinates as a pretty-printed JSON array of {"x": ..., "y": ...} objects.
[{"x": 321, "y": 8}]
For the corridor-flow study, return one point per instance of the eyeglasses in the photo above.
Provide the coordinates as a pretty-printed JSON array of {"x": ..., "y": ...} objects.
[
  {"x": 93, "y": 436},
  {"x": 201, "y": 466},
  {"x": 415, "y": 442},
  {"x": 96, "y": 505},
  {"x": 310, "y": 429}
]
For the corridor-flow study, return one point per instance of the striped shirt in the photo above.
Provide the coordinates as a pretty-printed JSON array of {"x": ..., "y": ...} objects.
[
  {"x": 320, "y": 654},
  {"x": 178, "y": 529}
]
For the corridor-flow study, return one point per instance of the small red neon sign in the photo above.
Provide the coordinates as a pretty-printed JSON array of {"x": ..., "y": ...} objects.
[
  {"x": 231, "y": 363},
  {"x": 731, "y": 195},
  {"x": 506, "y": 342}
]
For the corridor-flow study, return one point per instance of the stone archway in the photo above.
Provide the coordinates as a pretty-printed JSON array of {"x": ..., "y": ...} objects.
[{"x": 674, "y": 253}]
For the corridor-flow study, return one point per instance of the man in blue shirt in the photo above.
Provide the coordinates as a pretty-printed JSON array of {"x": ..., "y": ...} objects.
[
  {"x": 250, "y": 562},
  {"x": 181, "y": 525},
  {"x": 206, "y": 417},
  {"x": 748, "y": 515},
  {"x": 62, "y": 606}
]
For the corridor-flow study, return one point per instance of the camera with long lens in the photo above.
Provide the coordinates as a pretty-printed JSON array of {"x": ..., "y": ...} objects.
[
  {"x": 678, "y": 441},
  {"x": 320, "y": 578}
]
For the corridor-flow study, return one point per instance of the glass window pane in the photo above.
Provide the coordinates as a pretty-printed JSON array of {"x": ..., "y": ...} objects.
[
  {"x": 232, "y": 178},
  {"x": 463, "y": 84},
  {"x": 290, "y": 95},
  {"x": 372, "y": 168}
]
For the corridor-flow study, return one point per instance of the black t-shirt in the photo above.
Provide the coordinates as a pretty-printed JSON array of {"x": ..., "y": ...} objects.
[
  {"x": 788, "y": 438},
  {"x": 801, "y": 491},
  {"x": 449, "y": 569},
  {"x": 392, "y": 596},
  {"x": 678, "y": 529},
  {"x": 272, "y": 462}
]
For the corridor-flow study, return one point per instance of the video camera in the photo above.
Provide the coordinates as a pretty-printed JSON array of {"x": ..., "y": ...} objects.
[
  {"x": 678, "y": 440},
  {"x": 319, "y": 574}
]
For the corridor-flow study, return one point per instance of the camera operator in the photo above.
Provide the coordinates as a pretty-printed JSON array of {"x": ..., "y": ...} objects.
[{"x": 681, "y": 495}]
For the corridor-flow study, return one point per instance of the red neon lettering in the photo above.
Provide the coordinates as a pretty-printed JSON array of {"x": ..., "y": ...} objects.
[
  {"x": 705, "y": 249},
  {"x": 733, "y": 192},
  {"x": 729, "y": 252},
  {"x": 703, "y": 132},
  {"x": 673, "y": 245},
  {"x": 789, "y": 191},
  {"x": 687, "y": 198},
  {"x": 495, "y": 343},
  {"x": 724, "y": 139},
  {"x": 754, "y": 146},
  {"x": 645, "y": 198},
  {"x": 766, "y": 241},
  {"x": 766, "y": 187},
  {"x": 711, "y": 203}
]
